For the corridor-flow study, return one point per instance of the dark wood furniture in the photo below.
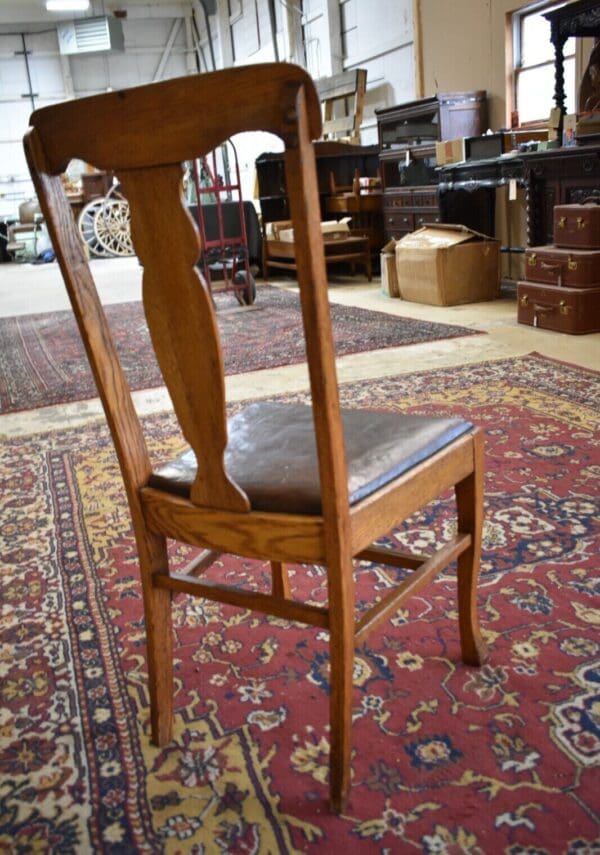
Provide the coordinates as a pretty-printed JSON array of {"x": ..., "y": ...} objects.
[
  {"x": 276, "y": 482},
  {"x": 470, "y": 186},
  {"x": 579, "y": 19},
  {"x": 351, "y": 250},
  {"x": 407, "y": 136},
  {"x": 557, "y": 176},
  {"x": 341, "y": 159},
  {"x": 95, "y": 185}
]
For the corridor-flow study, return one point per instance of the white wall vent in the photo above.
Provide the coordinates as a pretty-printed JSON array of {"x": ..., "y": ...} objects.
[{"x": 89, "y": 35}]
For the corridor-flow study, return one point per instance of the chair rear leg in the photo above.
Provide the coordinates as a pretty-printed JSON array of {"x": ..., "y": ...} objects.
[
  {"x": 469, "y": 502},
  {"x": 341, "y": 651},
  {"x": 159, "y": 636},
  {"x": 280, "y": 580}
]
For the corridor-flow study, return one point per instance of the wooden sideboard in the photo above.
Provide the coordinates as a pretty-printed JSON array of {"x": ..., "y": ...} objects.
[{"x": 558, "y": 176}]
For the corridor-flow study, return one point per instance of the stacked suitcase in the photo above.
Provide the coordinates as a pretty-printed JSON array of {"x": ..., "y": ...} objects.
[{"x": 562, "y": 287}]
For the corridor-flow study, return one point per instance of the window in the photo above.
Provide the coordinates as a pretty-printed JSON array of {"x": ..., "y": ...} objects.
[{"x": 533, "y": 65}]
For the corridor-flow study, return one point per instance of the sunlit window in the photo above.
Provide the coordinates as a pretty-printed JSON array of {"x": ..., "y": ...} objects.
[{"x": 533, "y": 65}]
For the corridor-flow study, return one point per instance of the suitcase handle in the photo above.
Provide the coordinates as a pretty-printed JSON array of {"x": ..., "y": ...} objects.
[
  {"x": 593, "y": 199},
  {"x": 547, "y": 266},
  {"x": 544, "y": 309}
]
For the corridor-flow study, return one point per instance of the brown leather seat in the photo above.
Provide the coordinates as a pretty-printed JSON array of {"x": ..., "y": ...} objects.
[{"x": 272, "y": 454}]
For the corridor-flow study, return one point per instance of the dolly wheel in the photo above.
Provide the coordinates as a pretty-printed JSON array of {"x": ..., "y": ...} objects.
[{"x": 246, "y": 293}]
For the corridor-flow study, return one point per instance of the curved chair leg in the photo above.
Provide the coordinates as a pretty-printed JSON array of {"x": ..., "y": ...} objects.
[
  {"x": 159, "y": 637},
  {"x": 469, "y": 502},
  {"x": 341, "y": 651}
]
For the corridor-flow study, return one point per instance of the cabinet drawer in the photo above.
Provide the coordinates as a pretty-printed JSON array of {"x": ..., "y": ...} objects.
[
  {"x": 422, "y": 219},
  {"x": 398, "y": 220},
  {"x": 399, "y": 200},
  {"x": 425, "y": 199}
]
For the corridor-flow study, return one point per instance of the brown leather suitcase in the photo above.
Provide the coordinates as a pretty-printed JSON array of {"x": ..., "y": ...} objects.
[
  {"x": 554, "y": 265},
  {"x": 577, "y": 226},
  {"x": 555, "y": 307}
]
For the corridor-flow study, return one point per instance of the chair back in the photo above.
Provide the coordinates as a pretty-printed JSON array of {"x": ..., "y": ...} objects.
[
  {"x": 143, "y": 135},
  {"x": 342, "y": 100}
]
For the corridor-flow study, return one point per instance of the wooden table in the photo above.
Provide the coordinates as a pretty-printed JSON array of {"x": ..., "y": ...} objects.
[{"x": 353, "y": 250}]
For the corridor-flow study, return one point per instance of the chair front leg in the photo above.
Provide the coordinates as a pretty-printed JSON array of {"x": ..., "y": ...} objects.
[
  {"x": 469, "y": 503},
  {"x": 341, "y": 652},
  {"x": 159, "y": 636}
]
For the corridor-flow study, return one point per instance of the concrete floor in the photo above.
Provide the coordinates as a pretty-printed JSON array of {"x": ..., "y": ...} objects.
[{"x": 25, "y": 289}]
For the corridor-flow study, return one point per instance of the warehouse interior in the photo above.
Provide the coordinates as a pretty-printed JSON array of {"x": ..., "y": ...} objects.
[{"x": 464, "y": 134}]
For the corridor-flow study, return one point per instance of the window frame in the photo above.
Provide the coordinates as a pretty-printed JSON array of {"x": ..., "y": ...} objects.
[{"x": 514, "y": 26}]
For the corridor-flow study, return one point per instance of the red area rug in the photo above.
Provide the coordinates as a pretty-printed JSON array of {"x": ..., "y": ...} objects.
[
  {"x": 447, "y": 759},
  {"x": 42, "y": 361}
]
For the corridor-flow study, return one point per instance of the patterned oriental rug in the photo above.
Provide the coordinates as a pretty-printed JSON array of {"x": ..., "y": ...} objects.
[
  {"x": 447, "y": 758},
  {"x": 42, "y": 360}
]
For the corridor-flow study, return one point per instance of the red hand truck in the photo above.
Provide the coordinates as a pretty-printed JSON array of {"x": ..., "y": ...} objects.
[{"x": 224, "y": 255}]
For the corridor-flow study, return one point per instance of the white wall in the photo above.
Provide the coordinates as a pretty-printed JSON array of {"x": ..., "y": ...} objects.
[
  {"x": 379, "y": 37},
  {"x": 55, "y": 78},
  {"x": 15, "y": 106},
  {"x": 327, "y": 36}
]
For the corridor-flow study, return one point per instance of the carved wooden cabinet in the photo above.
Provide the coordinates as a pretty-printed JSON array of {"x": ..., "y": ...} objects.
[
  {"x": 559, "y": 177},
  {"x": 407, "y": 136}
]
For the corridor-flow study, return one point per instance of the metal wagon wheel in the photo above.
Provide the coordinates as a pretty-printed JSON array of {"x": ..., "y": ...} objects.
[
  {"x": 112, "y": 227},
  {"x": 85, "y": 223}
]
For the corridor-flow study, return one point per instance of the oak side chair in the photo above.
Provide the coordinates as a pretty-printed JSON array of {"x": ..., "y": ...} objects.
[{"x": 277, "y": 482}]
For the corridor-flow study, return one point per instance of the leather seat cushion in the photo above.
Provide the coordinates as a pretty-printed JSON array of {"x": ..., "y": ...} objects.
[{"x": 272, "y": 454}]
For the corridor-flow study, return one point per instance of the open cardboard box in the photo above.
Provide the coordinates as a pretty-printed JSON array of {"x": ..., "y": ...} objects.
[
  {"x": 331, "y": 229},
  {"x": 444, "y": 265}
]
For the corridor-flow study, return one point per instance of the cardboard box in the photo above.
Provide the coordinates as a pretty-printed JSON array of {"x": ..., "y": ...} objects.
[
  {"x": 444, "y": 265},
  {"x": 450, "y": 151},
  {"x": 513, "y": 140},
  {"x": 331, "y": 229},
  {"x": 389, "y": 277},
  {"x": 554, "y": 122}
]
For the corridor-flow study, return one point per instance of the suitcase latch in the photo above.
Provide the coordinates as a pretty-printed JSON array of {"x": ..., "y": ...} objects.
[
  {"x": 580, "y": 223},
  {"x": 524, "y": 300},
  {"x": 561, "y": 222},
  {"x": 572, "y": 265},
  {"x": 564, "y": 309},
  {"x": 531, "y": 259}
]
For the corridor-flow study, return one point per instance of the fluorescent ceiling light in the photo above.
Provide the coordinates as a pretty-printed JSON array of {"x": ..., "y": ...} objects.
[{"x": 67, "y": 5}]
